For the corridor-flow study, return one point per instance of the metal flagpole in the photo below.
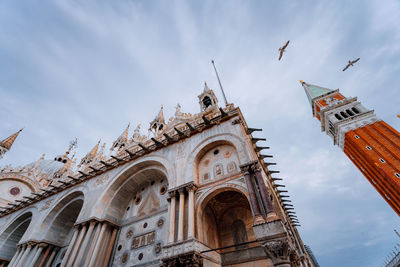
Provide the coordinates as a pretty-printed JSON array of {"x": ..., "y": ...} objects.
[{"x": 220, "y": 85}]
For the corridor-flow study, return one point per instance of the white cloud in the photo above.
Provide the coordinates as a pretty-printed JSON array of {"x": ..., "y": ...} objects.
[{"x": 86, "y": 69}]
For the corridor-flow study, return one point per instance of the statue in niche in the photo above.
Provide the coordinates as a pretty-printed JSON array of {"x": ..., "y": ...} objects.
[
  {"x": 137, "y": 138},
  {"x": 239, "y": 232},
  {"x": 231, "y": 167},
  {"x": 218, "y": 170}
]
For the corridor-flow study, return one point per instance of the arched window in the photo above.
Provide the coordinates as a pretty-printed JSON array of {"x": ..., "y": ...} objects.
[
  {"x": 355, "y": 110},
  {"x": 338, "y": 116},
  {"x": 344, "y": 114},
  {"x": 349, "y": 112},
  {"x": 207, "y": 101}
]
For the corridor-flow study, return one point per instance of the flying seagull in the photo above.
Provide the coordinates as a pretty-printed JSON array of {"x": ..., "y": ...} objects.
[
  {"x": 282, "y": 49},
  {"x": 351, "y": 63}
]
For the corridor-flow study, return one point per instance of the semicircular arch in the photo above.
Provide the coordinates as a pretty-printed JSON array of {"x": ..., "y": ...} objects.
[
  {"x": 216, "y": 211},
  {"x": 59, "y": 221},
  {"x": 111, "y": 204},
  {"x": 212, "y": 192},
  {"x": 189, "y": 171},
  {"x": 13, "y": 233}
]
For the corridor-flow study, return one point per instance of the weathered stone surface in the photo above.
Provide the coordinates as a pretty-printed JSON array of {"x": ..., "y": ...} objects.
[{"x": 177, "y": 198}]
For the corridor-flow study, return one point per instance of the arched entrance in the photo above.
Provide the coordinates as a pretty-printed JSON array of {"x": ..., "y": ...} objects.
[
  {"x": 226, "y": 226},
  {"x": 139, "y": 205},
  {"x": 60, "y": 223},
  {"x": 12, "y": 235}
]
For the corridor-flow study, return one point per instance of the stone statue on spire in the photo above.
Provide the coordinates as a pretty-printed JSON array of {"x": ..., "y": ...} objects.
[{"x": 137, "y": 138}]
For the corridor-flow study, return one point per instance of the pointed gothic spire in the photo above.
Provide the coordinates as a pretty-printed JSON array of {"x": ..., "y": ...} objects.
[
  {"x": 6, "y": 144},
  {"x": 206, "y": 88},
  {"x": 100, "y": 155},
  {"x": 313, "y": 91},
  {"x": 121, "y": 140},
  {"x": 158, "y": 123},
  {"x": 160, "y": 115},
  {"x": 91, "y": 155}
]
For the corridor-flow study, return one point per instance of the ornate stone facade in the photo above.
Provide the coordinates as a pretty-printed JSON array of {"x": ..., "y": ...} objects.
[{"x": 194, "y": 191}]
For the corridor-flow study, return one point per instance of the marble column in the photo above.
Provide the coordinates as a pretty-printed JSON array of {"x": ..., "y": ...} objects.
[
  {"x": 269, "y": 206},
  {"x": 181, "y": 213},
  {"x": 258, "y": 218},
  {"x": 38, "y": 252},
  {"x": 98, "y": 244},
  {"x": 110, "y": 247},
  {"x": 26, "y": 253},
  {"x": 23, "y": 248},
  {"x": 46, "y": 253},
  {"x": 71, "y": 259},
  {"x": 85, "y": 242},
  {"x": 191, "y": 212},
  {"x": 70, "y": 247},
  {"x": 172, "y": 218},
  {"x": 92, "y": 245},
  {"x": 16, "y": 255},
  {"x": 53, "y": 254}
]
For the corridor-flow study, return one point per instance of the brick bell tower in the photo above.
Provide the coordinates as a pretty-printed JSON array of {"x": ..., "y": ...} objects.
[{"x": 370, "y": 143}]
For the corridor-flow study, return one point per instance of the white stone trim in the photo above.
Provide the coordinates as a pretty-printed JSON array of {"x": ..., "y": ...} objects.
[{"x": 357, "y": 122}]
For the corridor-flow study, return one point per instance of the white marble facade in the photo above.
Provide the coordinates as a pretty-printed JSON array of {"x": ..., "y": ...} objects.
[{"x": 136, "y": 210}]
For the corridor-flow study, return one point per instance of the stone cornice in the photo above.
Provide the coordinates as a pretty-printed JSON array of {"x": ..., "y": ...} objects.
[
  {"x": 119, "y": 160},
  {"x": 356, "y": 122},
  {"x": 184, "y": 187}
]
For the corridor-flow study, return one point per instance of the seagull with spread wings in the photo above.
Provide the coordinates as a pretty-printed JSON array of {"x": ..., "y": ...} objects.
[
  {"x": 282, "y": 49},
  {"x": 351, "y": 63}
]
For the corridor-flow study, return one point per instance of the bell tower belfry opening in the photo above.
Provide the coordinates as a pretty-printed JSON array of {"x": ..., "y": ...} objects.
[{"x": 207, "y": 99}]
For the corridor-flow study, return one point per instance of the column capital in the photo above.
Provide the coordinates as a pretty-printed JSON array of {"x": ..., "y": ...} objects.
[
  {"x": 278, "y": 250},
  {"x": 184, "y": 187},
  {"x": 255, "y": 167},
  {"x": 181, "y": 191},
  {"x": 247, "y": 167},
  {"x": 275, "y": 240},
  {"x": 191, "y": 187},
  {"x": 95, "y": 220},
  {"x": 21, "y": 245},
  {"x": 172, "y": 194},
  {"x": 43, "y": 244},
  {"x": 92, "y": 222}
]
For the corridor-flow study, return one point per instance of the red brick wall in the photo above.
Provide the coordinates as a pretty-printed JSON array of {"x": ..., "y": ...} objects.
[{"x": 384, "y": 142}]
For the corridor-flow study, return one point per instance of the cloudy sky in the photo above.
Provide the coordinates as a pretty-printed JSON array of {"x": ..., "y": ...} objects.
[{"x": 86, "y": 68}]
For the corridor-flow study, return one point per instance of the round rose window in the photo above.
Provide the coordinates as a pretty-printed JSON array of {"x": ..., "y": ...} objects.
[{"x": 15, "y": 191}]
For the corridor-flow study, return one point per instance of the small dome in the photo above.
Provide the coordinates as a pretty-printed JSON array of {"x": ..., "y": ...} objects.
[{"x": 48, "y": 166}]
